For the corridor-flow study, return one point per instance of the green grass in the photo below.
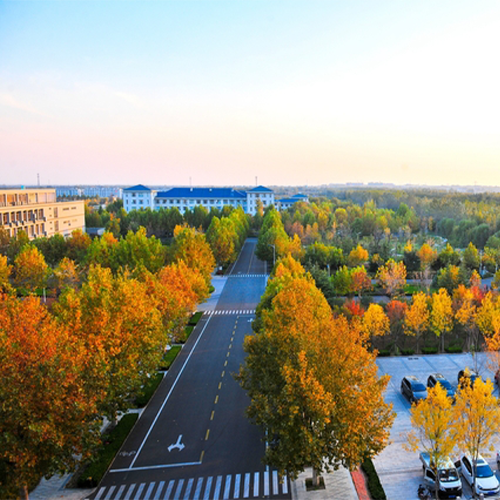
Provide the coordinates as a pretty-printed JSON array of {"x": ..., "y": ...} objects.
[
  {"x": 195, "y": 318},
  {"x": 112, "y": 442},
  {"x": 148, "y": 390},
  {"x": 169, "y": 356}
]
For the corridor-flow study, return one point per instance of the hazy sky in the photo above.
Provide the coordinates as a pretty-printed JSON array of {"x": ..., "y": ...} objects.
[{"x": 222, "y": 92}]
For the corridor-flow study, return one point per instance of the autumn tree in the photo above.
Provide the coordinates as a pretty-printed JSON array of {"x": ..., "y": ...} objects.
[
  {"x": 360, "y": 281},
  {"x": 375, "y": 321},
  {"x": 427, "y": 256},
  {"x": 64, "y": 275},
  {"x": 465, "y": 306},
  {"x": 441, "y": 317},
  {"x": 476, "y": 418},
  {"x": 5, "y": 271},
  {"x": 30, "y": 269},
  {"x": 432, "y": 420},
  {"x": 299, "y": 365},
  {"x": 192, "y": 247},
  {"x": 358, "y": 256},
  {"x": 392, "y": 277},
  {"x": 396, "y": 312},
  {"x": 46, "y": 418},
  {"x": 417, "y": 317}
]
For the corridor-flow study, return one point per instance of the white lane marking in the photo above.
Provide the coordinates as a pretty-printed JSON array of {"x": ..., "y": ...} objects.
[
  {"x": 110, "y": 492},
  {"x": 158, "y": 491},
  {"x": 218, "y": 485},
  {"x": 150, "y": 490},
  {"x": 120, "y": 491},
  {"x": 170, "y": 487},
  {"x": 246, "y": 488},
  {"x": 256, "y": 484},
  {"x": 100, "y": 492},
  {"x": 129, "y": 492},
  {"x": 197, "y": 492},
  {"x": 266, "y": 483},
  {"x": 164, "y": 466},
  {"x": 139, "y": 491},
  {"x": 169, "y": 393},
  {"x": 188, "y": 489},
  {"x": 208, "y": 487},
  {"x": 227, "y": 487},
  {"x": 179, "y": 489},
  {"x": 237, "y": 481}
]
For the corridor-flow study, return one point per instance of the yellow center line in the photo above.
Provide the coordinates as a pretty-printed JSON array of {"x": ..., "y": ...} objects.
[
  {"x": 227, "y": 355},
  {"x": 212, "y": 416},
  {"x": 220, "y": 385},
  {"x": 201, "y": 456},
  {"x": 225, "y": 364},
  {"x": 230, "y": 346},
  {"x": 216, "y": 399},
  {"x": 223, "y": 373},
  {"x": 207, "y": 434}
]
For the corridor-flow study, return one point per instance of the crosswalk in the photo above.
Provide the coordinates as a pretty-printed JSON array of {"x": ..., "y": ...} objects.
[
  {"x": 225, "y": 312},
  {"x": 231, "y": 486},
  {"x": 248, "y": 276}
]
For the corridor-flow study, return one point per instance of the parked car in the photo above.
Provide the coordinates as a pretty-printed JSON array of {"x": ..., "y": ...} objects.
[
  {"x": 448, "y": 481},
  {"x": 438, "y": 378},
  {"x": 467, "y": 376},
  {"x": 486, "y": 481},
  {"x": 413, "y": 389}
]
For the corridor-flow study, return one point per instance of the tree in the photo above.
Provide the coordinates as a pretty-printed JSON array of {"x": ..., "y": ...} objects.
[
  {"x": 392, "y": 277},
  {"x": 432, "y": 421},
  {"x": 360, "y": 281},
  {"x": 450, "y": 277},
  {"x": 342, "y": 281},
  {"x": 300, "y": 373},
  {"x": 30, "y": 269},
  {"x": 5, "y": 270},
  {"x": 477, "y": 419},
  {"x": 396, "y": 312},
  {"x": 47, "y": 419},
  {"x": 441, "y": 318},
  {"x": 64, "y": 275},
  {"x": 417, "y": 317},
  {"x": 357, "y": 256},
  {"x": 471, "y": 257},
  {"x": 375, "y": 321}
]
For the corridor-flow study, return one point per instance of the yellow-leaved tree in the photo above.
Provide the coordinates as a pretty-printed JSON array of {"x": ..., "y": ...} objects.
[
  {"x": 476, "y": 418},
  {"x": 432, "y": 421},
  {"x": 417, "y": 318},
  {"x": 441, "y": 314}
]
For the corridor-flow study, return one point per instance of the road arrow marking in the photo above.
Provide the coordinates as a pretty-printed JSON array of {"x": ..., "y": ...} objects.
[{"x": 177, "y": 445}]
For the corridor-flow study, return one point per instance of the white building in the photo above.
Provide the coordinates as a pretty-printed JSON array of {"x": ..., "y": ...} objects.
[
  {"x": 183, "y": 199},
  {"x": 285, "y": 203}
]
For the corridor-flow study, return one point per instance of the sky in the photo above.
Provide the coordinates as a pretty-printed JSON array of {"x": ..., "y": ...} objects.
[{"x": 236, "y": 92}]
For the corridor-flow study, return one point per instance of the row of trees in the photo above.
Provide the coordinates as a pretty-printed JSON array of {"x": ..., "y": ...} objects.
[
  {"x": 468, "y": 423},
  {"x": 88, "y": 356},
  {"x": 312, "y": 382}
]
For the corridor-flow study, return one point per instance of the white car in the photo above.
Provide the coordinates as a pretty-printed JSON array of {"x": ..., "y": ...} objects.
[{"x": 486, "y": 481}]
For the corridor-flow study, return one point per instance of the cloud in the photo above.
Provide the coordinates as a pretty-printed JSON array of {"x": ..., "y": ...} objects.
[{"x": 10, "y": 101}]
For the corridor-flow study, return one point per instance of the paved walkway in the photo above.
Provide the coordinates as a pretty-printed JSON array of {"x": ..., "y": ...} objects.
[{"x": 338, "y": 486}]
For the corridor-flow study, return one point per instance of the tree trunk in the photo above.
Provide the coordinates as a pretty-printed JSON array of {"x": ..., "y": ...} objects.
[
  {"x": 24, "y": 493},
  {"x": 315, "y": 478}
]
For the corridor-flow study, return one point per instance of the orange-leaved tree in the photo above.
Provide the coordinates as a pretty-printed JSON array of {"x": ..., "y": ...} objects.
[
  {"x": 47, "y": 419},
  {"x": 392, "y": 277},
  {"x": 30, "y": 269},
  {"x": 417, "y": 317}
]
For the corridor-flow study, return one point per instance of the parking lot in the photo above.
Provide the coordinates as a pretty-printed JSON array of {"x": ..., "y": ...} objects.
[{"x": 400, "y": 471}]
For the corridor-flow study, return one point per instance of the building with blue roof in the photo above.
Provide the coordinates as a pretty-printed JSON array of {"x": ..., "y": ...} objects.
[
  {"x": 285, "y": 203},
  {"x": 186, "y": 198}
]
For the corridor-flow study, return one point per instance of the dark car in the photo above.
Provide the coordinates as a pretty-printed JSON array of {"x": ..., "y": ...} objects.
[
  {"x": 467, "y": 376},
  {"x": 413, "y": 389},
  {"x": 438, "y": 378}
]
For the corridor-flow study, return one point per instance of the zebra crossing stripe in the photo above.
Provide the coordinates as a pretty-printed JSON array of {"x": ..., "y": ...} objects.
[
  {"x": 225, "y": 487},
  {"x": 110, "y": 492},
  {"x": 158, "y": 491},
  {"x": 139, "y": 491},
  {"x": 208, "y": 488},
  {"x": 246, "y": 491},
  {"x": 237, "y": 480},
  {"x": 179, "y": 489},
  {"x": 129, "y": 492},
  {"x": 120, "y": 491}
]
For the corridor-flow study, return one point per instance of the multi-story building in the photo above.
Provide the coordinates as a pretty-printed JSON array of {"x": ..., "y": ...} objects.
[
  {"x": 36, "y": 212},
  {"x": 285, "y": 203},
  {"x": 183, "y": 199}
]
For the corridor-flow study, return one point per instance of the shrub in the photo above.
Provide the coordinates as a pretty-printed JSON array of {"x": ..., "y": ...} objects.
[
  {"x": 195, "y": 318},
  {"x": 384, "y": 352},
  {"x": 374, "y": 487},
  {"x": 453, "y": 349},
  {"x": 112, "y": 442},
  {"x": 407, "y": 352},
  {"x": 148, "y": 390},
  {"x": 169, "y": 356},
  {"x": 185, "y": 335},
  {"x": 429, "y": 350}
]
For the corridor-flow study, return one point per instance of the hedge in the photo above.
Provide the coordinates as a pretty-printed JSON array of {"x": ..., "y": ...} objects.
[
  {"x": 112, "y": 442},
  {"x": 195, "y": 318},
  {"x": 374, "y": 487},
  {"x": 169, "y": 356},
  {"x": 148, "y": 390}
]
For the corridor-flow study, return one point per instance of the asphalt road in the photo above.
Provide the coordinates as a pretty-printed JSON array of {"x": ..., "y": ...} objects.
[{"x": 193, "y": 441}]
